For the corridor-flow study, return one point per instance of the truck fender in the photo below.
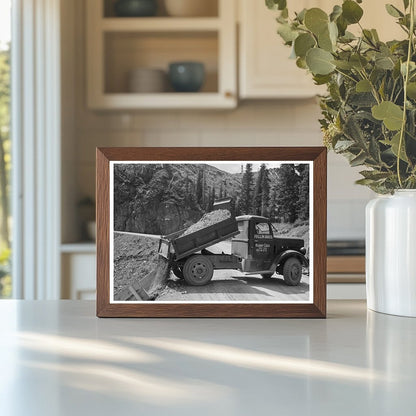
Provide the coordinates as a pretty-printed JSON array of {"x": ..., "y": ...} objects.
[{"x": 291, "y": 253}]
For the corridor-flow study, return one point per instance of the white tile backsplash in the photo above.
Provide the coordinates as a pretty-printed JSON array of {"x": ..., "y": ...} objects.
[{"x": 258, "y": 123}]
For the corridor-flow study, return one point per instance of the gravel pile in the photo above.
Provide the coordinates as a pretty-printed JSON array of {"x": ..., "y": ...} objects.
[
  {"x": 135, "y": 258},
  {"x": 208, "y": 219}
]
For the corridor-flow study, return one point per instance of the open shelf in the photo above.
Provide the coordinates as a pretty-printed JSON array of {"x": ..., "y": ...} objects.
[
  {"x": 160, "y": 24},
  {"x": 210, "y": 9},
  {"x": 126, "y": 51},
  {"x": 119, "y": 45}
]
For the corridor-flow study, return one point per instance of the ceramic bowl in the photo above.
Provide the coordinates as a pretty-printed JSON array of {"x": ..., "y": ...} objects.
[
  {"x": 191, "y": 8},
  {"x": 147, "y": 80},
  {"x": 186, "y": 76},
  {"x": 135, "y": 8}
]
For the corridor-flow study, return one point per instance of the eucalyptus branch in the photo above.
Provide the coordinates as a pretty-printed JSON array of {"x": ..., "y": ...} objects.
[{"x": 406, "y": 80}]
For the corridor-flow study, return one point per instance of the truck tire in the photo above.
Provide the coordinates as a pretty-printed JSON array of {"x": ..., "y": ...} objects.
[
  {"x": 177, "y": 271},
  {"x": 198, "y": 270},
  {"x": 292, "y": 271}
]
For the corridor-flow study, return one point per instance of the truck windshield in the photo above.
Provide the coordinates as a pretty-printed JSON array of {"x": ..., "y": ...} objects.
[{"x": 263, "y": 228}]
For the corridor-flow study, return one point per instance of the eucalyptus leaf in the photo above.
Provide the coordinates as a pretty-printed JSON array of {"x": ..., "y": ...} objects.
[
  {"x": 287, "y": 33},
  {"x": 336, "y": 12},
  {"x": 394, "y": 143},
  {"x": 321, "y": 79},
  {"x": 358, "y": 61},
  {"x": 319, "y": 61},
  {"x": 347, "y": 37},
  {"x": 363, "y": 86},
  {"x": 375, "y": 35},
  {"x": 345, "y": 65},
  {"x": 358, "y": 160},
  {"x": 276, "y": 4},
  {"x": 393, "y": 11},
  {"x": 325, "y": 42},
  {"x": 316, "y": 20},
  {"x": 301, "y": 63},
  {"x": 388, "y": 112},
  {"x": 303, "y": 43},
  {"x": 384, "y": 62},
  {"x": 301, "y": 15},
  {"x": 411, "y": 90},
  {"x": 374, "y": 175},
  {"x": 351, "y": 11}
]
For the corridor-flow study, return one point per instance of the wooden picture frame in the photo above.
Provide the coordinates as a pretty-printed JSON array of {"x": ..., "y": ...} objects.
[{"x": 315, "y": 157}]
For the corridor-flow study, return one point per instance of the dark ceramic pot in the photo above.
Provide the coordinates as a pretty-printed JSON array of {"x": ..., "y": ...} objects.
[
  {"x": 186, "y": 76},
  {"x": 135, "y": 8}
]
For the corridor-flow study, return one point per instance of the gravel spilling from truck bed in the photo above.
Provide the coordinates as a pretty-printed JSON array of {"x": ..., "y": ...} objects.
[
  {"x": 136, "y": 259},
  {"x": 208, "y": 219}
]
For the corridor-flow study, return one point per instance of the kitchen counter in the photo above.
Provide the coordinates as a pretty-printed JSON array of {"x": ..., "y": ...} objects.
[{"x": 57, "y": 358}]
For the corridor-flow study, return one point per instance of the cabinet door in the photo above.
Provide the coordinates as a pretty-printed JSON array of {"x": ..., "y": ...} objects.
[{"x": 265, "y": 68}]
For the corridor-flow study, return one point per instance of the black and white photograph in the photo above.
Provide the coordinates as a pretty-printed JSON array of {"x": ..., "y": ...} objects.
[{"x": 211, "y": 232}]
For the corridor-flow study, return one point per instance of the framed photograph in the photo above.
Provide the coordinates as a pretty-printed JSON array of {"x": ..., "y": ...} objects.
[{"x": 211, "y": 232}]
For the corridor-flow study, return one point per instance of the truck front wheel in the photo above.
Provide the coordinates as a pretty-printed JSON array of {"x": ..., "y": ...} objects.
[
  {"x": 198, "y": 270},
  {"x": 177, "y": 271},
  {"x": 292, "y": 271}
]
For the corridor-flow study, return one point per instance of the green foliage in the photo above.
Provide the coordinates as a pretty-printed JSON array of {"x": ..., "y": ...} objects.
[{"x": 365, "y": 114}]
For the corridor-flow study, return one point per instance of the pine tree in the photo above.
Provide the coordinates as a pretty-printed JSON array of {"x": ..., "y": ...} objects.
[
  {"x": 245, "y": 204},
  {"x": 265, "y": 196},
  {"x": 199, "y": 188},
  {"x": 288, "y": 192},
  {"x": 261, "y": 192},
  {"x": 303, "y": 192},
  {"x": 211, "y": 199}
]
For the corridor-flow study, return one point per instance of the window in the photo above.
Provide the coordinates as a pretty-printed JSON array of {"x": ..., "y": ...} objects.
[
  {"x": 5, "y": 144},
  {"x": 263, "y": 228}
]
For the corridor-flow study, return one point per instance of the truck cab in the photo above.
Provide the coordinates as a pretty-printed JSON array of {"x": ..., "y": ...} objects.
[{"x": 261, "y": 252}]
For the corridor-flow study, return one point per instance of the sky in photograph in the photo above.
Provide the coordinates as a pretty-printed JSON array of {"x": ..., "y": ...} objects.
[
  {"x": 236, "y": 167},
  {"x": 4, "y": 22}
]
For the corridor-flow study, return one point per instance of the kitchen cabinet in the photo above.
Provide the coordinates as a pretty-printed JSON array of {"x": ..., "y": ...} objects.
[
  {"x": 118, "y": 45},
  {"x": 265, "y": 70},
  {"x": 78, "y": 262}
]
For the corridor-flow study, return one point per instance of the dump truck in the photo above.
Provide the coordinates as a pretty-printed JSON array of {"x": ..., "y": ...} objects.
[{"x": 254, "y": 250}]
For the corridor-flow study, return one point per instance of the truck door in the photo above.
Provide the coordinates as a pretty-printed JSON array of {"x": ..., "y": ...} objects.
[{"x": 262, "y": 244}]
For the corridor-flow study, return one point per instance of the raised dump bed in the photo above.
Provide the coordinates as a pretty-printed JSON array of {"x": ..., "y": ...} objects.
[{"x": 177, "y": 246}]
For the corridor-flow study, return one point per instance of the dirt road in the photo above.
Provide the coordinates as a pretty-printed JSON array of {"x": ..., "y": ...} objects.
[{"x": 231, "y": 285}]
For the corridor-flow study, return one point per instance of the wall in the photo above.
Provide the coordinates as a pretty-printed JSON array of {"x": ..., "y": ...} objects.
[{"x": 254, "y": 123}]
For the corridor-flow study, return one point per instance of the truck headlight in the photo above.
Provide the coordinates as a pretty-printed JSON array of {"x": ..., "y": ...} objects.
[{"x": 303, "y": 250}]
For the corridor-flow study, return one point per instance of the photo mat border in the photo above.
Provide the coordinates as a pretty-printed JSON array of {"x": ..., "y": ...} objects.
[
  {"x": 311, "y": 213},
  {"x": 315, "y": 309}
]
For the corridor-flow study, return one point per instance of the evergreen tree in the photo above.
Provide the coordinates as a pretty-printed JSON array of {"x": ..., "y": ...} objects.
[
  {"x": 246, "y": 198},
  {"x": 303, "y": 192},
  {"x": 265, "y": 195},
  {"x": 261, "y": 192},
  {"x": 199, "y": 187},
  {"x": 221, "y": 191},
  {"x": 211, "y": 199},
  {"x": 288, "y": 192},
  {"x": 233, "y": 209}
]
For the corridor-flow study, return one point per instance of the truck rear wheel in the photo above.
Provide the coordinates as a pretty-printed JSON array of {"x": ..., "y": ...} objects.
[
  {"x": 198, "y": 270},
  {"x": 292, "y": 271}
]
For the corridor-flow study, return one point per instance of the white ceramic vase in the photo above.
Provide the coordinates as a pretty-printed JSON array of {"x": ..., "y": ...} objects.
[{"x": 391, "y": 253}]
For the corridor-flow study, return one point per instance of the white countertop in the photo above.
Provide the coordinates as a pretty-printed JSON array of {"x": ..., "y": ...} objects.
[{"x": 57, "y": 358}]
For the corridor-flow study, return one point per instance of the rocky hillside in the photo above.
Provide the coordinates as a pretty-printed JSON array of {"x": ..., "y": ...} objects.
[{"x": 162, "y": 198}]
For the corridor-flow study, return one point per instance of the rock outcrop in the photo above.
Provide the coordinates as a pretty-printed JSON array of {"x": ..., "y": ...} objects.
[{"x": 162, "y": 198}]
